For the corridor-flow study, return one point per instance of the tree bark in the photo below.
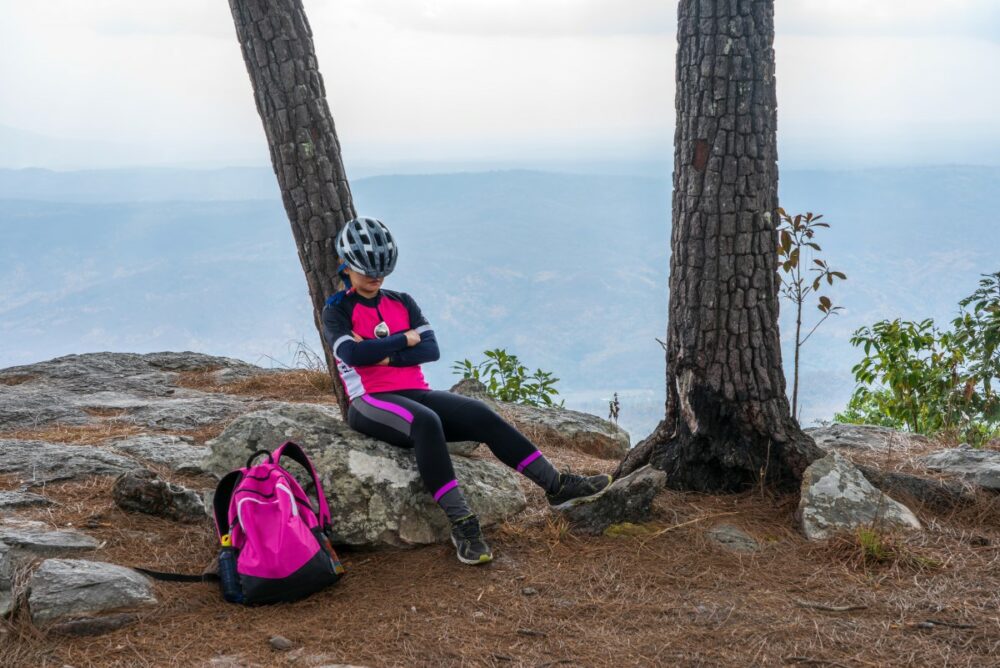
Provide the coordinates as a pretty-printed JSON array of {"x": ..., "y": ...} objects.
[
  {"x": 727, "y": 424},
  {"x": 278, "y": 51}
]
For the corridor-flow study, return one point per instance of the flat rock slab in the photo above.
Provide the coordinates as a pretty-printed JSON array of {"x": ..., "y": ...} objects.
[
  {"x": 36, "y": 538},
  {"x": 67, "y": 588},
  {"x": 177, "y": 453},
  {"x": 12, "y": 500},
  {"x": 149, "y": 375},
  {"x": 627, "y": 499},
  {"x": 836, "y": 497},
  {"x": 193, "y": 412},
  {"x": 976, "y": 465},
  {"x": 376, "y": 494},
  {"x": 39, "y": 461},
  {"x": 145, "y": 492},
  {"x": 865, "y": 438},
  {"x": 26, "y": 406},
  {"x": 143, "y": 387},
  {"x": 733, "y": 538}
]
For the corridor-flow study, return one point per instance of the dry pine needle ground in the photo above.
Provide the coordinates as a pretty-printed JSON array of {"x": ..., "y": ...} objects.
[{"x": 666, "y": 595}]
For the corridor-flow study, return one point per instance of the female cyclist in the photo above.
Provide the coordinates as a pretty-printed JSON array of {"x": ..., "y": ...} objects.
[{"x": 379, "y": 339}]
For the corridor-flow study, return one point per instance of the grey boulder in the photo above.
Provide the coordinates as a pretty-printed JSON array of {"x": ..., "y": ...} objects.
[
  {"x": 552, "y": 425},
  {"x": 145, "y": 492},
  {"x": 375, "y": 492},
  {"x": 978, "y": 466},
  {"x": 848, "y": 438},
  {"x": 67, "y": 588},
  {"x": 628, "y": 499},
  {"x": 836, "y": 497}
]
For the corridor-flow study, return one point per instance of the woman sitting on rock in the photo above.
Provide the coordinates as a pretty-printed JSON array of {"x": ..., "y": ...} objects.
[{"x": 380, "y": 339}]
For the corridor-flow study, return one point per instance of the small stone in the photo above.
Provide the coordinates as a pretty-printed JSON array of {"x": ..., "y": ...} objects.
[
  {"x": 96, "y": 626},
  {"x": 529, "y": 591},
  {"x": 280, "y": 643},
  {"x": 732, "y": 538},
  {"x": 479, "y": 614},
  {"x": 413, "y": 608}
]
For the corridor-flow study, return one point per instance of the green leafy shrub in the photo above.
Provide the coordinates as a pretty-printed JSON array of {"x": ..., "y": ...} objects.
[
  {"x": 507, "y": 379},
  {"x": 918, "y": 377}
]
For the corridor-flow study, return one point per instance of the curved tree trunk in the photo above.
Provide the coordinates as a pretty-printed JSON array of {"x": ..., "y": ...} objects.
[
  {"x": 727, "y": 420},
  {"x": 278, "y": 51}
]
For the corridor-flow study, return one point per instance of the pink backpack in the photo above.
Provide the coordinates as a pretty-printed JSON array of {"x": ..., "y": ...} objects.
[{"x": 275, "y": 544}]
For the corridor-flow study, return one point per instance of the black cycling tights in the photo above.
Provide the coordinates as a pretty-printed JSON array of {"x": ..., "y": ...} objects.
[{"x": 426, "y": 420}]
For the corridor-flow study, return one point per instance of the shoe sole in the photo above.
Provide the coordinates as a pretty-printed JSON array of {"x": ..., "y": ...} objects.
[
  {"x": 483, "y": 558},
  {"x": 584, "y": 499}
]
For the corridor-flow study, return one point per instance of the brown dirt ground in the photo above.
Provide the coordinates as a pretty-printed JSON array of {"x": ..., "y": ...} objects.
[
  {"x": 669, "y": 596},
  {"x": 665, "y": 596}
]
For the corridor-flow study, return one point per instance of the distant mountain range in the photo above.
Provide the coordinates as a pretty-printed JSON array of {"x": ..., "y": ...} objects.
[{"x": 569, "y": 271}]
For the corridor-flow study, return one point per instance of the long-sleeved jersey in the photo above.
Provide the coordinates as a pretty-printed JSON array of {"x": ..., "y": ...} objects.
[{"x": 349, "y": 313}]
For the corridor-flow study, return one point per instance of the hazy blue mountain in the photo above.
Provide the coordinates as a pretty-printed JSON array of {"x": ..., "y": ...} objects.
[{"x": 567, "y": 271}]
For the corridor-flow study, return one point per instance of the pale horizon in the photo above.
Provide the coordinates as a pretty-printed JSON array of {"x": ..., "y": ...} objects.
[{"x": 117, "y": 84}]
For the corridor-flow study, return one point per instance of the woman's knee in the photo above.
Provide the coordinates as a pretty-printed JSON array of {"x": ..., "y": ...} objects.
[{"x": 427, "y": 426}]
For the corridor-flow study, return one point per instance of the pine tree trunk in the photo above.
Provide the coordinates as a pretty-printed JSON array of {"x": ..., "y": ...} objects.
[
  {"x": 278, "y": 51},
  {"x": 727, "y": 419}
]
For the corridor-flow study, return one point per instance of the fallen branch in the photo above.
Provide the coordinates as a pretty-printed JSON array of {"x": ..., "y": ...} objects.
[
  {"x": 931, "y": 623},
  {"x": 532, "y": 632},
  {"x": 683, "y": 524},
  {"x": 829, "y": 608},
  {"x": 815, "y": 662}
]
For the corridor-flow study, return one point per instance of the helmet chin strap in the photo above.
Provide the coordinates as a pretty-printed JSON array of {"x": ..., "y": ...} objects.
[{"x": 344, "y": 276}]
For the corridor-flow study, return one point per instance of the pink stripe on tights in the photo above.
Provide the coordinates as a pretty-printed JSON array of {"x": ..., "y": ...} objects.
[
  {"x": 527, "y": 460},
  {"x": 445, "y": 488},
  {"x": 389, "y": 406}
]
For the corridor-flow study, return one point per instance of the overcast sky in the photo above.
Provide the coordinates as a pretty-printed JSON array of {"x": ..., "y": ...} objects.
[{"x": 153, "y": 82}]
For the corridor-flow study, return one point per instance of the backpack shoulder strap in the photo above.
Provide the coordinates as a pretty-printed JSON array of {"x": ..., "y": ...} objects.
[
  {"x": 295, "y": 452},
  {"x": 220, "y": 503}
]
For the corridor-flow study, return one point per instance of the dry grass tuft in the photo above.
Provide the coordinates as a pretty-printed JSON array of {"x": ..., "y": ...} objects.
[
  {"x": 85, "y": 434},
  {"x": 295, "y": 385},
  {"x": 101, "y": 412}
]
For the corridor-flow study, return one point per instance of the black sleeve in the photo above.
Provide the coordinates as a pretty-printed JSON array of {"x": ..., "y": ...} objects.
[
  {"x": 337, "y": 328},
  {"x": 425, "y": 351}
]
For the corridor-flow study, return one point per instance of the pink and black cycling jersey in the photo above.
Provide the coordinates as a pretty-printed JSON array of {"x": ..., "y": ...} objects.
[{"x": 349, "y": 313}]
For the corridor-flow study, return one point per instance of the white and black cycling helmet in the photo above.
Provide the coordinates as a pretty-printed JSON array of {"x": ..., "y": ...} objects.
[{"x": 367, "y": 247}]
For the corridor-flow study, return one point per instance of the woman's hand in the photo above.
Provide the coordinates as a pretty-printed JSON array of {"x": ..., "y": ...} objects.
[
  {"x": 412, "y": 338},
  {"x": 357, "y": 338}
]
